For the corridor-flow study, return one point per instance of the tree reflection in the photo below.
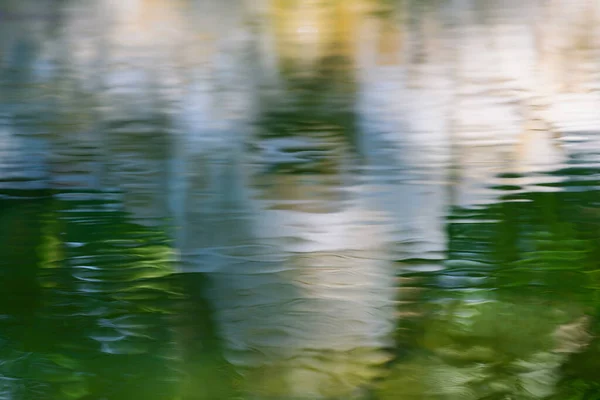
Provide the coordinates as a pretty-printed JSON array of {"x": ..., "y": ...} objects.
[{"x": 488, "y": 349}]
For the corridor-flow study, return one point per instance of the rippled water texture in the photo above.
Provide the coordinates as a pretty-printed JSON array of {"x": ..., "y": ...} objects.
[{"x": 299, "y": 200}]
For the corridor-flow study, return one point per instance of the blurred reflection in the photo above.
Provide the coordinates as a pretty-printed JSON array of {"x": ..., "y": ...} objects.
[
  {"x": 293, "y": 280},
  {"x": 298, "y": 199},
  {"x": 484, "y": 349}
]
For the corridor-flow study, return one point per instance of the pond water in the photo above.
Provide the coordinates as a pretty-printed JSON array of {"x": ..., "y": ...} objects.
[{"x": 299, "y": 199}]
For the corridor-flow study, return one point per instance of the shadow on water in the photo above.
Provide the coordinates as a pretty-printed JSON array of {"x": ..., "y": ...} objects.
[{"x": 299, "y": 200}]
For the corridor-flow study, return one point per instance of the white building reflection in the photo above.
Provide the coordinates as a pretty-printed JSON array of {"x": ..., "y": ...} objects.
[
  {"x": 300, "y": 263},
  {"x": 305, "y": 300},
  {"x": 479, "y": 88},
  {"x": 404, "y": 129}
]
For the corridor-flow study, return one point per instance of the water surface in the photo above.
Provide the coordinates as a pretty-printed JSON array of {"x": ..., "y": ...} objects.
[{"x": 360, "y": 199}]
